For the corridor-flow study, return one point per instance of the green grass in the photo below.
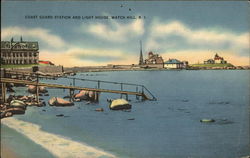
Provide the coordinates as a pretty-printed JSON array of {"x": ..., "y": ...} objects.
[
  {"x": 19, "y": 66},
  {"x": 212, "y": 65}
]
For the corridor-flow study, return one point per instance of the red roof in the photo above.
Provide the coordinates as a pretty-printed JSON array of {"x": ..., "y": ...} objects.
[{"x": 45, "y": 62}]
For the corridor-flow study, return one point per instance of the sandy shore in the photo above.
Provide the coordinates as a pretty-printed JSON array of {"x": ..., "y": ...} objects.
[
  {"x": 6, "y": 152},
  {"x": 57, "y": 145}
]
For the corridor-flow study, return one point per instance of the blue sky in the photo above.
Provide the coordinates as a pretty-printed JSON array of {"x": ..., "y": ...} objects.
[{"x": 191, "y": 30}]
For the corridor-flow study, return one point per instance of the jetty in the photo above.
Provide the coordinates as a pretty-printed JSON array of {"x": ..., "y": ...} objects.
[
  {"x": 27, "y": 75},
  {"x": 140, "y": 91}
]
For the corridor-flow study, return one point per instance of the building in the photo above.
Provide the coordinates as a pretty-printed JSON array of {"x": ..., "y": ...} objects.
[
  {"x": 19, "y": 52},
  {"x": 185, "y": 64},
  {"x": 209, "y": 61},
  {"x": 174, "y": 64},
  {"x": 153, "y": 59},
  {"x": 217, "y": 60}
]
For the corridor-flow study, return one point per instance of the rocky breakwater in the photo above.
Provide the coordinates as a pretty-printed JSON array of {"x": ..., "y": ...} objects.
[{"x": 17, "y": 105}]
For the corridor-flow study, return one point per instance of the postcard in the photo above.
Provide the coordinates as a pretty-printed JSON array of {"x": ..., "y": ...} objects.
[{"x": 125, "y": 79}]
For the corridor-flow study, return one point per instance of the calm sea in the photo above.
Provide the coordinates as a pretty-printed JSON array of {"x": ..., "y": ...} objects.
[{"x": 167, "y": 128}]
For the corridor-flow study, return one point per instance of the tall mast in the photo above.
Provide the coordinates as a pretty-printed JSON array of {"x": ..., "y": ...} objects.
[{"x": 141, "y": 56}]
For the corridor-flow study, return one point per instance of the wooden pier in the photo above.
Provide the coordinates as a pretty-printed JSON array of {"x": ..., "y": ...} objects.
[{"x": 72, "y": 88}]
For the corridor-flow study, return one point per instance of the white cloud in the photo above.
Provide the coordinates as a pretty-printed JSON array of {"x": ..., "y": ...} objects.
[
  {"x": 36, "y": 33},
  {"x": 70, "y": 55},
  {"x": 116, "y": 32},
  {"x": 88, "y": 57},
  {"x": 207, "y": 38}
]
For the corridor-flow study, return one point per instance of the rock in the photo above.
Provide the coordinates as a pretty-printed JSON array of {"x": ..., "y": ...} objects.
[
  {"x": 12, "y": 111},
  {"x": 10, "y": 98},
  {"x": 32, "y": 89},
  {"x": 99, "y": 109},
  {"x": 8, "y": 114},
  {"x": 18, "y": 103},
  {"x": 87, "y": 103},
  {"x": 131, "y": 119},
  {"x": 77, "y": 100},
  {"x": 86, "y": 95},
  {"x": 55, "y": 101},
  {"x": 60, "y": 115},
  {"x": 91, "y": 95},
  {"x": 42, "y": 89},
  {"x": 83, "y": 95},
  {"x": 23, "y": 98},
  {"x": 120, "y": 104},
  {"x": 207, "y": 120}
]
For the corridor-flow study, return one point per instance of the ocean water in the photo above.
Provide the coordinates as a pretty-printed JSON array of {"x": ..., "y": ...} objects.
[{"x": 167, "y": 128}]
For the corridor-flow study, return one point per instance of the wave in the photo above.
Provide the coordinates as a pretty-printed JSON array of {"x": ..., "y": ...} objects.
[{"x": 59, "y": 146}]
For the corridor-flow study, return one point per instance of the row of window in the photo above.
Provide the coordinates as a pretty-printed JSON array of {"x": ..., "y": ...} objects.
[
  {"x": 20, "y": 54},
  {"x": 20, "y": 61}
]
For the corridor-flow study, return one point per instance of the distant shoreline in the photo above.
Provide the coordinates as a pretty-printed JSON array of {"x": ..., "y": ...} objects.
[
  {"x": 61, "y": 70},
  {"x": 94, "y": 69}
]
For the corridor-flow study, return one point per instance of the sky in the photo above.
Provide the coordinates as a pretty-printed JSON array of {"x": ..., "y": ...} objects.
[{"x": 83, "y": 33}]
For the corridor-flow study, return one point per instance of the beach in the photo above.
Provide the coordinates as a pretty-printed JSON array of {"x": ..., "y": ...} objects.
[
  {"x": 57, "y": 145},
  {"x": 7, "y": 152}
]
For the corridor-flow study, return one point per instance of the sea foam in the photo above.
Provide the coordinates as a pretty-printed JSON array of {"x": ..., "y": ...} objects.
[{"x": 59, "y": 146}]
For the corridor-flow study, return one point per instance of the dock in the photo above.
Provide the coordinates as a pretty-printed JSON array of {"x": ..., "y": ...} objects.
[{"x": 71, "y": 88}]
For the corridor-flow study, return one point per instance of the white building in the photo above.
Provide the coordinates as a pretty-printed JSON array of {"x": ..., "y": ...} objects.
[{"x": 173, "y": 64}]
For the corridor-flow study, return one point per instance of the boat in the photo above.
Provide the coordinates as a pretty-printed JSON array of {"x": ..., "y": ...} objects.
[{"x": 119, "y": 104}]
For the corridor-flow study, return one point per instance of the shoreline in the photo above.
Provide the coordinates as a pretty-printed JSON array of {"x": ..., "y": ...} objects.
[
  {"x": 57, "y": 145},
  {"x": 7, "y": 151},
  {"x": 77, "y": 70}
]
